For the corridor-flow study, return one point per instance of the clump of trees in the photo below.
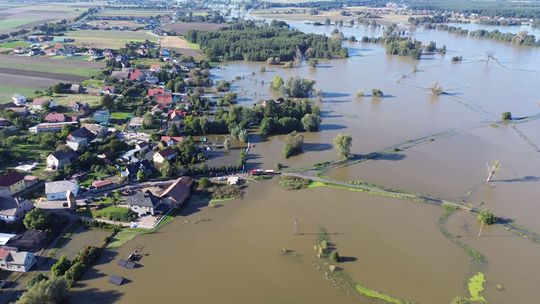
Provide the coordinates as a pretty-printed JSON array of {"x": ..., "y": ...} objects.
[
  {"x": 298, "y": 87},
  {"x": 377, "y": 92},
  {"x": 343, "y": 144},
  {"x": 247, "y": 40},
  {"x": 37, "y": 219},
  {"x": 506, "y": 116},
  {"x": 293, "y": 144},
  {"x": 436, "y": 89},
  {"x": 286, "y": 116},
  {"x": 293, "y": 183}
]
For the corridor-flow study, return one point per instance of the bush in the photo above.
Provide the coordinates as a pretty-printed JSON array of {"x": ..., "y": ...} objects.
[
  {"x": 74, "y": 272},
  {"x": 486, "y": 217},
  {"x": 36, "y": 279},
  {"x": 227, "y": 192},
  {"x": 334, "y": 257},
  {"x": 53, "y": 290},
  {"x": 293, "y": 183},
  {"x": 293, "y": 144},
  {"x": 377, "y": 92},
  {"x": 204, "y": 182},
  {"x": 88, "y": 255},
  {"x": 506, "y": 116},
  {"x": 61, "y": 266},
  {"x": 37, "y": 219}
]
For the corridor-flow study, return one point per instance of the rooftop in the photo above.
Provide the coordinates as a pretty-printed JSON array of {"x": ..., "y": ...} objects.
[{"x": 11, "y": 178}]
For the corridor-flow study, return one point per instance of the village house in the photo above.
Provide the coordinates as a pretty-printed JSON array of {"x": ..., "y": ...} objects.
[
  {"x": 143, "y": 203},
  {"x": 122, "y": 74},
  {"x": 58, "y": 117},
  {"x": 76, "y": 88},
  {"x": 82, "y": 109},
  {"x": 58, "y": 159},
  {"x": 135, "y": 123},
  {"x": 14, "y": 209},
  {"x": 156, "y": 91},
  {"x": 102, "y": 117},
  {"x": 79, "y": 139},
  {"x": 171, "y": 141},
  {"x": 4, "y": 123},
  {"x": 18, "y": 100},
  {"x": 13, "y": 260},
  {"x": 13, "y": 182},
  {"x": 176, "y": 115},
  {"x": 102, "y": 184},
  {"x": 151, "y": 80},
  {"x": 137, "y": 75},
  {"x": 166, "y": 154},
  {"x": 29, "y": 240},
  {"x": 52, "y": 127},
  {"x": 165, "y": 100},
  {"x": 109, "y": 90},
  {"x": 155, "y": 67},
  {"x": 58, "y": 190},
  {"x": 37, "y": 103},
  {"x": 133, "y": 168},
  {"x": 178, "y": 192}
]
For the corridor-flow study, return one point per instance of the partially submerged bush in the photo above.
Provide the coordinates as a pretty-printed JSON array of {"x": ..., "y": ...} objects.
[
  {"x": 293, "y": 183},
  {"x": 227, "y": 192}
]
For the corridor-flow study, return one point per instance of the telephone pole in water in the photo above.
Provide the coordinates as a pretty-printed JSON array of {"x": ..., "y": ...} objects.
[{"x": 296, "y": 227}]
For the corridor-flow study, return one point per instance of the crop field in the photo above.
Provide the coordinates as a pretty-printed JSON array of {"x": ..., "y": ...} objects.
[
  {"x": 24, "y": 75},
  {"x": 133, "y": 13},
  {"x": 180, "y": 45},
  {"x": 25, "y": 16},
  {"x": 180, "y": 28},
  {"x": 108, "y": 39}
]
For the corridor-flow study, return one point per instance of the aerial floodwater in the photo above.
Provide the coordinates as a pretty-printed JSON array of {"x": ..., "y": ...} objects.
[{"x": 420, "y": 145}]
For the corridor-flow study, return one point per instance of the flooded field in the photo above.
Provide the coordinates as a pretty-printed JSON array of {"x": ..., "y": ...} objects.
[{"x": 233, "y": 252}]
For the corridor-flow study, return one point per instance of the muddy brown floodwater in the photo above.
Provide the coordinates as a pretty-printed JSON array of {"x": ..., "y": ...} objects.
[{"x": 390, "y": 245}]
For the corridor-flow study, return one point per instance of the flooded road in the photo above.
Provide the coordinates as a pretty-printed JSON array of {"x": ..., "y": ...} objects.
[{"x": 231, "y": 254}]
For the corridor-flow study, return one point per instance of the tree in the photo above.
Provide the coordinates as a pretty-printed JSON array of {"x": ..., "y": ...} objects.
[
  {"x": 313, "y": 62},
  {"x": 506, "y": 116},
  {"x": 377, "y": 92},
  {"x": 436, "y": 89},
  {"x": 204, "y": 182},
  {"x": 277, "y": 83},
  {"x": 293, "y": 144},
  {"x": 74, "y": 272},
  {"x": 37, "y": 219},
  {"x": 262, "y": 69},
  {"x": 35, "y": 279},
  {"x": 343, "y": 143},
  {"x": 298, "y": 87},
  {"x": 311, "y": 122},
  {"x": 485, "y": 217},
  {"x": 334, "y": 257},
  {"x": 107, "y": 101},
  {"x": 61, "y": 266},
  {"x": 148, "y": 120},
  {"x": 165, "y": 169},
  {"x": 493, "y": 167},
  {"x": 140, "y": 175},
  {"x": 49, "y": 291}
]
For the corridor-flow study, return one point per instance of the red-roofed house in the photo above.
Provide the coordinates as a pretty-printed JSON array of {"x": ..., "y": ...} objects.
[
  {"x": 171, "y": 140},
  {"x": 164, "y": 100},
  {"x": 176, "y": 115},
  {"x": 155, "y": 67},
  {"x": 109, "y": 90},
  {"x": 155, "y": 91},
  {"x": 57, "y": 117},
  {"x": 37, "y": 103},
  {"x": 136, "y": 75},
  {"x": 100, "y": 184}
]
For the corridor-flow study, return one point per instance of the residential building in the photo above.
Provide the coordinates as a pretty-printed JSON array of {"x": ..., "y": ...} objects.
[
  {"x": 12, "y": 181},
  {"x": 178, "y": 192},
  {"x": 37, "y": 103},
  {"x": 58, "y": 190},
  {"x": 170, "y": 141},
  {"x": 18, "y": 100},
  {"x": 121, "y": 75},
  {"x": 14, "y": 209},
  {"x": 82, "y": 109},
  {"x": 52, "y": 127},
  {"x": 155, "y": 91},
  {"x": 29, "y": 240},
  {"x": 58, "y": 159},
  {"x": 102, "y": 117},
  {"x": 176, "y": 115},
  {"x": 79, "y": 139},
  {"x": 133, "y": 168},
  {"x": 137, "y": 75},
  {"x": 109, "y": 90},
  {"x": 13, "y": 260},
  {"x": 57, "y": 117},
  {"x": 102, "y": 184},
  {"x": 155, "y": 67},
  {"x": 76, "y": 89},
  {"x": 165, "y": 100},
  {"x": 135, "y": 123},
  {"x": 165, "y": 154},
  {"x": 143, "y": 203}
]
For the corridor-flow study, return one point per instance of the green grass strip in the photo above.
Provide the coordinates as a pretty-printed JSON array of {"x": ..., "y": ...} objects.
[
  {"x": 370, "y": 293},
  {"x": 476, "y": 286}
]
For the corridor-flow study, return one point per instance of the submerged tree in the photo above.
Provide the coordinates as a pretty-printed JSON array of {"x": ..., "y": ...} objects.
[
  {"x": 343, "y": 143},
  {"x": 485, "y": 217},
  {"x": 436, "y": 89},
  {"x": 493, "y": 167},
  {"x": 506, "y": 116}
]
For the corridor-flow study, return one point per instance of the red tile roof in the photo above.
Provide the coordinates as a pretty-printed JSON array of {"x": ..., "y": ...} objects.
[
  {"x": 135, "y": 75},
  {"x": 176, "y": 139},
  {"x": 164, "y": 99},
  {"x": 102, "y": 183},
  {"x": 39, "y": 101},
  {"x": 155, "y": 91},
  {"x": 56, "y": 117}
]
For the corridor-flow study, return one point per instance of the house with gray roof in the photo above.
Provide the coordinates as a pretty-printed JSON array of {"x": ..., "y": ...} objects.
[
  {"x": 58, "y": 159},
  {"x": 143, "y": 203},
  {"x": 56, "y": 191},
  {"x": 14, "y": 209},
  {"x": 11, "y": 259}
]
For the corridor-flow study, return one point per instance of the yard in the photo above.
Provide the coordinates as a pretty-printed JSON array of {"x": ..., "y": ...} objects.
[
  {"x": 7, "y": 91},
  {"x": 108, "y": 39},
  {"x": 133, "y": 12},
  {"x": 67, "y": 99},
  {"x": 181, "y": 45}
]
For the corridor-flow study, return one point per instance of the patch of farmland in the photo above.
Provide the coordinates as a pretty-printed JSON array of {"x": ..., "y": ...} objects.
[{"x": 180, "y": 28}]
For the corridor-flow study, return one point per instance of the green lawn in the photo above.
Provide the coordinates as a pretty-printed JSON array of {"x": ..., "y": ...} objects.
[
  {"x": 95, "y": 83},
  {"x": 121, "y": 115},
  {"x": 110, "y": 211},
  {"x": 74, "y": 58},
  {"x": 67, "y": 99},
  {"x": 6, "y": 92},
  {"x": 14, "y": 44},
  {"x": 90, "y": 177},
  {"x": 133, "y": 12},
  {"x": 12, "y": 23}
]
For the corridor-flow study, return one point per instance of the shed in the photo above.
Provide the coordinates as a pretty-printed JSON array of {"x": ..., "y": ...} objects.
[
  {"x": 5, "y": 237},
  {"x": 116, "y": 280}
]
